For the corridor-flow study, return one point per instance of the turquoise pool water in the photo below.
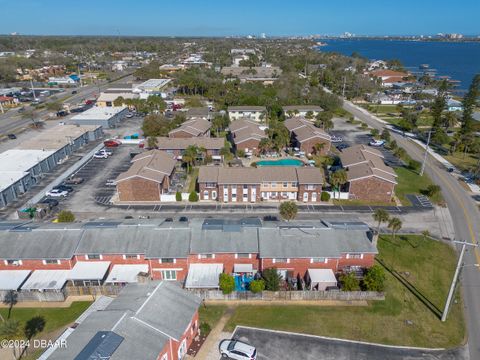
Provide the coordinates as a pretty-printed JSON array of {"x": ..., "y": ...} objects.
[{"x": 282, "y": 162}]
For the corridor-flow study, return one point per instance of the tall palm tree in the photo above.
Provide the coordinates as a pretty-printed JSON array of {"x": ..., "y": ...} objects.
[
  {"x": 189, "y": 156},
  {"x": 337, "y": 179},
  {"x": 318, "y": 147},
  {"x": 395, "y": 224},
  {"x": 380, "y": 216}
]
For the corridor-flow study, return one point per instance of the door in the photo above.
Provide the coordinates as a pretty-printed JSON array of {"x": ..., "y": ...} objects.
[
  {"x": 253, "y": 195},
  {"x": 314, "y": 197},
  {"x": 225, "y": 194},
  {"x": 305, "y": 196},
  {"x": 182, "y": 350}
]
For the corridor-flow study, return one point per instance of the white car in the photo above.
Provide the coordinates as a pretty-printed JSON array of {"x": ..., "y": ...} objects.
[
  {"x": 336, "y": 139},
  {"x": 57, "y": 193},
  {"x": 105, "y": 151},
  {"x": 237, "y": 350},
  {"x": 129, "y": 115},
  {"x": 376, "y": 143},
  {"x": 110, "y": 183},
  {"x": 100, "y": 155}
]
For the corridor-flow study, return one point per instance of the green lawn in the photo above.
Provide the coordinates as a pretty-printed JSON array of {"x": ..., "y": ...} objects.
[
  {"x": 381, "y": 321},
  {"x": 463, "y": 162},
  {"x": 55, "y": 318},
  {"x": 410, "y": 182}
]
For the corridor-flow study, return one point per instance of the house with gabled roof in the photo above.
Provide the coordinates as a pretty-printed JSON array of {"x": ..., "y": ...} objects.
[
  {"x": 246, "y": 135},
  {"x": 307, "y": 136},
  {"x": 196, "y": 127}
]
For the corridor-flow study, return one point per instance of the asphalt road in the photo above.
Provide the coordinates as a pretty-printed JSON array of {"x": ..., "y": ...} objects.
[
  {"x": 466, "y": 220},
  {"x": 12, "y": 120},
  {"x": 272, "y": 345}
]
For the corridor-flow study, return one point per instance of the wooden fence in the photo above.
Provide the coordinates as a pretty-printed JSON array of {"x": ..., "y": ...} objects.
[
  {"x": 290, "y": 295},
  {"x": 108, "y": 290}
]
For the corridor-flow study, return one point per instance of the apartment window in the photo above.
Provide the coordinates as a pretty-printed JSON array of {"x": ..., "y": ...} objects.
[
  {"x": 245, "y": 186},
  {"x": 243, "y": 256},
  {"x": 310, "y": 187},
  {"x": 13, "y": 262},
  {"x": 168, "y": 261},
  {"x": 354, "y": 256},
  {"x": 285, "y": 184},
  {"x": 281, "y": 260},
  {"x": 129, "y": 257},
  {"x": 274, "y": 184},
  {"x": 93, "y": 257},
  {"x": 169, "y": 274},
  {"x": 294, "y": 184},
  {"x": 318, "y": 260},
  {"x": 206, "y": 256},
  {"x": 245, "y": 196},
  {"x": 234, "y": 195},
  {"x": 51, "y": 262}
]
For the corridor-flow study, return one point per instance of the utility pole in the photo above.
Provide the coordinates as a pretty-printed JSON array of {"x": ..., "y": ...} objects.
[
  {"x": 33, "y": 91},
  {"x": 426, "y": 153},
  {"x": 344, "y": 84},
  {"x": 455, "y": 278}
]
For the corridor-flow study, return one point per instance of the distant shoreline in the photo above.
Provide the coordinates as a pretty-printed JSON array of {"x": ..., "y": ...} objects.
[{"x": 380, "y": 38}]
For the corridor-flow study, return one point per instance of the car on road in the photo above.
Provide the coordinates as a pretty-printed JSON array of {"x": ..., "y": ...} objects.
[
  {"x": 22, "y": 109},
  {"x": 74, "y": 92},
  {"x": 50, "y": 202},
  {"x": 169, "y": 219},
  {"x": 56, "y": 193},
  {"x": 111, "y": 143},
  {"x": 376, "y": 143},
  {"x": 12, "y": 136},
  {"x": 63, "y": 188},
  {"x": 110, "y": 182},
  {"x": 105, "y": 151},
  {"x": 62, "y": 113},
  {"x": 342, "y": 146},
  {"x": 74, "y": 180},
  {"x": 237, "y": 350},
  {"x": 336, "y": 139},
  {"x": 100, "y": 155}
]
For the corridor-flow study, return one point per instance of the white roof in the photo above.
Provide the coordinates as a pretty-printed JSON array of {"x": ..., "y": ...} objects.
[
  {"x": 203, "y": 275},
  {"x": 99, "y": 113},
  {"x": 126, "y": 273},
  {"x": 242, "y": 268},
  {"x": 12, "y": 279},
  {"x": 89, "y": 270},
  {"x": 21, "y": 159},
  {"x": 115, "y": 95},
  {"x": 322, "y": 275},
  {"x": 9, "y": 178},
  {"x": 46, "y": 280},
  {"x": 151, "y": 84}
]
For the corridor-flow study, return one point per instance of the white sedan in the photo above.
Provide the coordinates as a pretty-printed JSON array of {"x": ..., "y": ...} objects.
[
  {"x": 57, "y": 193},
  {"x": 376, "y": 143},
  {"x": 238, "y": 350},
  {"x": 100, "y": 155}
]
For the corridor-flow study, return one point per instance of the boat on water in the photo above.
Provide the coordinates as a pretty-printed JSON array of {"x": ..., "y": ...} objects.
[
  {"x": 424, "y": 66},
  {"x": 319, "y": 43}
]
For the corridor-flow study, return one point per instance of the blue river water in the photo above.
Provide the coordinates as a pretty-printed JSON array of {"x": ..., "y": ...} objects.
[{"x": 458, "y": 60}]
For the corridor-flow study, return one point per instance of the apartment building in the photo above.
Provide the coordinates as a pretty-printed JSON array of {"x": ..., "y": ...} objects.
[{"x": 307, "y": 137}]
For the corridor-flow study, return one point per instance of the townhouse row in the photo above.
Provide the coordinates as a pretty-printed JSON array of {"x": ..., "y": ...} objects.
[{"x": 96, "y": 252}]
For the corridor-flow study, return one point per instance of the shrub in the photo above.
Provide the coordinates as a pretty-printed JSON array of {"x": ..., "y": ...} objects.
[
  {"x": 374, "y": 279},
  {"x": 193, "y": 197},
  {"x": 374, "y": 132},
  {"x": 386, "y": 135},
  {"x": 272, "y": 279},
  {"x": 227, "y": 283},
  {"x": 65, "y": 216},
  {"x": 393, "y": 145},
  {"x": 241, "y": 153},
  {"x": 349, "y": 282},
  {"x": 414, "y": 165},
  {"x": 432, "y": 190},
  {"x": 205, "y": 328},
  {"x": 257, "y": 286},
  {"x": 178, "y": 196},
  {"x": 325, "y": 196}
]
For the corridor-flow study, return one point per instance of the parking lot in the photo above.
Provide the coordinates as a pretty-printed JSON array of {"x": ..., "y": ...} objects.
[{"x": 275, "y": 345}]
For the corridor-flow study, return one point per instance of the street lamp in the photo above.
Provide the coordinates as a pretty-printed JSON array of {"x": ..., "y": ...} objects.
[
  {"x": 426, "y": 153},
  {"x": 455, "y": 276}
]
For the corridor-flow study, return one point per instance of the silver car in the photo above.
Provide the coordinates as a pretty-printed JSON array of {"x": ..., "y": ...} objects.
[{"x": 237, "y": 350}]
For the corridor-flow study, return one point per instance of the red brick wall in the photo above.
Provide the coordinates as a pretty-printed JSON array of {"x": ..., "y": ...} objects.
[
  {"x": 156, "y": 267},
  {"x": 300, "y": 266},
  {"x": 228, "y": 260},
  {"x": 203, "y": 188},
  {"x": 367, "y": 261},
  {"x": 38, "y": 265},
  {"x": 138, "y": 189},
  {"x": 302, "y": 188},
  {"x": 372, "y": 189},
  {"x": 249, "y": 144}
]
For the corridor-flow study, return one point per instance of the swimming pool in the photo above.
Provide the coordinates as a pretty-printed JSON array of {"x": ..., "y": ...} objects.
[{"x": 281, "y": 162}]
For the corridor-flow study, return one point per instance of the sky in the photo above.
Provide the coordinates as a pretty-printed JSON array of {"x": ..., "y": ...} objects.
[{"x": 244, "y": 17}]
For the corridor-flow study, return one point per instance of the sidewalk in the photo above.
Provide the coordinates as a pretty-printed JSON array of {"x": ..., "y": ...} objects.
[{"x": 209, "y": 349}]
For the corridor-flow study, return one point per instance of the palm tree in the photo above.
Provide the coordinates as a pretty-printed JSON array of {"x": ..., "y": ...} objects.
[
  {"x": 380, "y": 216},
  {"x": 318, "y": 147},
  {"x": 9, "y": 331},
  {"x": 189, "y": 156},
  {"x": 265, "y": 145},
  {"x": 10, "y": 299},
  {"x": 395, "y": 224},
  {"x": 337, "y": 179}
]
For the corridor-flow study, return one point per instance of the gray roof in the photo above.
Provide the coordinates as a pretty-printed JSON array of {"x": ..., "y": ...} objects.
[
  {"x": 145, "y": 315},
  {"x": 247, "y": 108},
  {"x": 312, "y": 241},
  {"x": 302, "y": 108}
]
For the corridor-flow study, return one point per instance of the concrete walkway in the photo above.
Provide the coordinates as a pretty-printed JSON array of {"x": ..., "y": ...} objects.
[
  {"x": 51, "y": 304},
  {"x": 209, "y": 349}
]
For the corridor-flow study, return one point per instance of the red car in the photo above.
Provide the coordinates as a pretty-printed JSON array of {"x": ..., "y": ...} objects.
[{"x": 111, "y": 143}]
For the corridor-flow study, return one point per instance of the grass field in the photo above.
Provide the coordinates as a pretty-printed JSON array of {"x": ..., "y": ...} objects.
[
  {"x": 463, "y": 162},
  {"x": 55, "y": 318},
  {"x": 402, "y": 319},
  {"x": 410, "y": 182}
]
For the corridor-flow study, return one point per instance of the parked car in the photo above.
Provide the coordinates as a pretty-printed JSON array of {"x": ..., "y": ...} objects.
[
  {"x": 62, "y": 113},
  {"x": 12, "y": 136},
  {"x": 235, "y": 349},
  {"x": 342, "y": 146},
  {"x": 169, "y": 219},
  {"x": 111, "y": 143},
  {"x": 50, "y": 202},
  {"x": 100, "y": 155},
  {"x": 270, "y": 218},
  {"x": 74, "y": 180},
  {"x": 63, "y": 188},
  {"x": 336, "y": 139},
  {"x": 74, "y": 92},
  {"x": 56, "y": 193},
  {"x": 105, "y": 151},
  {"x": 183, "y": 219},
  {"x": 110, "y": 183},
  {"x": 376, "y": 143}
]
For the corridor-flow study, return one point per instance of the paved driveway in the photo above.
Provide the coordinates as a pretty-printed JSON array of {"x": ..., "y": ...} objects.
[{"x": 274, "y": 345}]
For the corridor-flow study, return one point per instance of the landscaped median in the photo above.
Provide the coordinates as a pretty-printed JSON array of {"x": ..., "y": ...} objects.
[{"x": 416, "y": 290}]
